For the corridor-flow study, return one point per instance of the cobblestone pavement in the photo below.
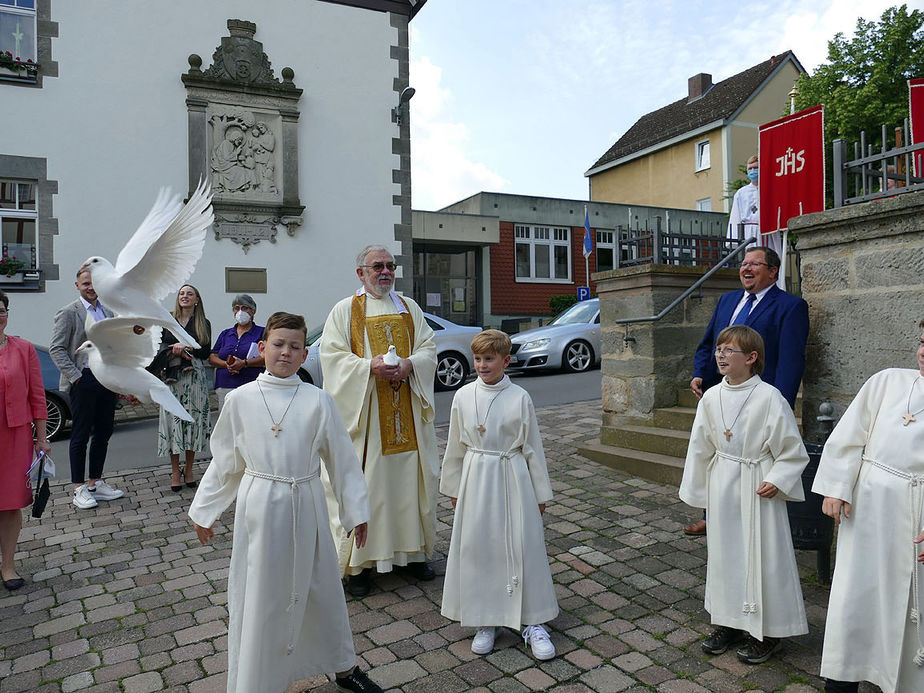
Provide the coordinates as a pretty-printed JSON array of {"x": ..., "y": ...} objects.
[{"x": 123, "y": 598}]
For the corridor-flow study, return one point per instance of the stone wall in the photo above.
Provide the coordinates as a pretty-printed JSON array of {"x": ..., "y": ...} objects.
[
  {"x": 863, "y": 278},
  {"x": 644, "y": 373}
]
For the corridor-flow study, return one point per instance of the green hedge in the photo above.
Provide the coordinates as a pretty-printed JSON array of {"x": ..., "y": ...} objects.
[{"x": 561, "y": 302}]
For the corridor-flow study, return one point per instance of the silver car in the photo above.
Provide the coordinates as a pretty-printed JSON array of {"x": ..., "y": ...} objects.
[
  {"x": 454, "y": 360},
  {"x": 571, "y": 341}
]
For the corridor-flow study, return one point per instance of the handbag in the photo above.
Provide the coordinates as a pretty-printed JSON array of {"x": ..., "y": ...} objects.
[{"x": 42, "y": 492}]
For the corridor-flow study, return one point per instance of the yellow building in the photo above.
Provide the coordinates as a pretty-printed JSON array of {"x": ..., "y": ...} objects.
[{"x": 686, "y": 154}]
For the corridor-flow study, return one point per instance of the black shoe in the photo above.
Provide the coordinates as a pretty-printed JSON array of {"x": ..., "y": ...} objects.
[
  {"x": 357, "y": 682},
  {"x": 421, "y": 571},
  {"x": 14, "y": 583},
  {"x": 189, "y": 484},
  {"x": 360, "y": 585},
  {"x": 756, "y": 652},
  {"x": 719, "y": 640}
]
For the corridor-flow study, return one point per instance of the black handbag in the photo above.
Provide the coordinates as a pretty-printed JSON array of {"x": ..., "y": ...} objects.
[{"x": 42, "y": 492}]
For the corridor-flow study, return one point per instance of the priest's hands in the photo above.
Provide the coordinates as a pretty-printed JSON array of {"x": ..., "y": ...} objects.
[
  {"x": 205, "y": 534},
  {"x": 359, "y": 533},
  {"x": 767, "y": 490},
  {"x": 832, "y": 508},
  {"x": 382, "y": 370}
]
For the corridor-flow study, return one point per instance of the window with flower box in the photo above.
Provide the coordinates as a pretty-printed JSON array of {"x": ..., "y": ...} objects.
[
  {"x": 18, "y": 223},
  {"x": 18, "y": 44},
  {"x": 543, "y": 254}
]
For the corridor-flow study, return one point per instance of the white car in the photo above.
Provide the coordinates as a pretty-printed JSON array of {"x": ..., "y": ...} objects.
[
  {"x": 454, "y": 361},
  {"x": 571, "y": 341}
]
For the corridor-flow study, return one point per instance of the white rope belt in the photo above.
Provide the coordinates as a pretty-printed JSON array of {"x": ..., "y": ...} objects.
[
  {"x": 753, "y": 467},
  {"x": 514, "y": 580},
  {"x": 916, "y": 503},
  {"x": 293, "y": 483}
]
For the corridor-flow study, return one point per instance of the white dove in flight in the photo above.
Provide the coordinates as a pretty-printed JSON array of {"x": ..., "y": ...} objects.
[
  {"x": 118, "y": 349},
  {"x": 390, "y": 357},
  {"x": 158, "y": 259}
]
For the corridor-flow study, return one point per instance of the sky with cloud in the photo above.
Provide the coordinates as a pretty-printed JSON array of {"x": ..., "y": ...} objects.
[{"x": 523, "y": 96}]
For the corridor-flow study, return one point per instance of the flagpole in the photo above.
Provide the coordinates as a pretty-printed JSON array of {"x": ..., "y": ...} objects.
[{"x": 586, "y": 255}]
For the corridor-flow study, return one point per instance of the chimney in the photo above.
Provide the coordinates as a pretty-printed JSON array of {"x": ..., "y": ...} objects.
[{"x": 698, "y": 85}]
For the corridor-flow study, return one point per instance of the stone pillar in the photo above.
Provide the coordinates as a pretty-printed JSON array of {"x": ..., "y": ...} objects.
[
  {"x": 863, "y": 279},
  {"x": 644, "y": 373}
]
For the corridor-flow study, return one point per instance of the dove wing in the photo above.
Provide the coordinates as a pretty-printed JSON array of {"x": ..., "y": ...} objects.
[
  {"x": 163, "y": 252},
  {"x": 120, "y": 345}
]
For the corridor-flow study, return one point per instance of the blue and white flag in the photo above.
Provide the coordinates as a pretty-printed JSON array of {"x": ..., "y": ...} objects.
[{"x": 588, "y": 239}]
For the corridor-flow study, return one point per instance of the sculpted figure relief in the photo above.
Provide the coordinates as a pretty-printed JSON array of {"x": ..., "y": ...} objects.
[{"x": 243, "y": 160}]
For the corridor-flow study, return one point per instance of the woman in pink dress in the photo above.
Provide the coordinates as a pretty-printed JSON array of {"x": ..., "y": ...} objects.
[{"x": 22, "y": 403}]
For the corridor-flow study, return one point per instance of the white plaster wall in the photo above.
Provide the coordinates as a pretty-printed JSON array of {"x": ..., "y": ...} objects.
[{"x": 113, "y": 127}]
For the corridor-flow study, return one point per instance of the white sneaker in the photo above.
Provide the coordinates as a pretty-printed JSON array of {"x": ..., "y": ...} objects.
[
  {"x": 483, "y": 642},
  {"x": 104, "y": 491},
  {"x": 83, "y": 499},
  {"x": 538, "y": 639}
]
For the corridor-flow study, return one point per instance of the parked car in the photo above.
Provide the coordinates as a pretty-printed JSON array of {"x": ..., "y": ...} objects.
[
  {"x": 59, "y": 404},
  {"x": 571, "y": 341},
  {"x": 454, "y": 360}
]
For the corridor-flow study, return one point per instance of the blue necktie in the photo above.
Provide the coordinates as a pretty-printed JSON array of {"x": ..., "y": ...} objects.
[{"x": 745, "y": 311}]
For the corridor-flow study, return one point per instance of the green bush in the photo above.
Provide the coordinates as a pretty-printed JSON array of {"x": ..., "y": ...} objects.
[{"x": 561, "y": 302}]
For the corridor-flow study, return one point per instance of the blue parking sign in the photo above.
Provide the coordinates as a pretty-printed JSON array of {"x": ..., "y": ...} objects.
[{"x": 583, "y": 293}]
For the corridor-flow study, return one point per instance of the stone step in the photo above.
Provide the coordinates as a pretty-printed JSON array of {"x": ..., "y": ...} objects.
[
  {"x": 663, "y": 469},
  {"x": 686, "y": 398},
  {"x": 661, "y": 441},
  {"x": 676, "y": 418}
]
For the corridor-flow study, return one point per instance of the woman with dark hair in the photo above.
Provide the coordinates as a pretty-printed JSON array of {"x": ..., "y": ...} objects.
[
  {"x": 191, "y": 387},
  {"x": 22, "y": 405}
]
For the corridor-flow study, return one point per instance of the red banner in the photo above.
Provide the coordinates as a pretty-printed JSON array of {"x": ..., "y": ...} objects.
[
  {"x": 916, "y": 111},
  {"x": 792, "y": 168}
]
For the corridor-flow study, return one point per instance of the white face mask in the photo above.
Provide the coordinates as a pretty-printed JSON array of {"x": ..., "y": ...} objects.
[{"x": 242, "y": 317}]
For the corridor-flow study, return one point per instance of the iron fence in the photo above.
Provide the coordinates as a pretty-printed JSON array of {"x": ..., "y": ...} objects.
[{"x": 674, "y": 245}]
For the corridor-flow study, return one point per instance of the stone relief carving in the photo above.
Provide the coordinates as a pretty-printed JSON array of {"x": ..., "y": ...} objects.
[{"x": 243, "y": 136}]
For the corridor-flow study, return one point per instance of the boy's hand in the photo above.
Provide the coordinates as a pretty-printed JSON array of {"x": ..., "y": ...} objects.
[
  {"x": 205, "y": 534},
  {"x": 832, "y": 508},
  {"x": 918, "y": 541},
  {"x": 767, "y": 490},
  {"x": 359, "y": 534},
  {"x": 453, "y": 501},
  {"x": 542, "y": 508}
]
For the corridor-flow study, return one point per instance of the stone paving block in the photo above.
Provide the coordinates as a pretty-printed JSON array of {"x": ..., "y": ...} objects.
[
  {"x": 31, "y": 661},
  {"x": 681, "y": 686},
  {"x": 583, "y": 659},
  {"x": 478, "y": 672},
  {"x": 535, "y": 679},
  {"x": 607, "y": 679},
  {"x": 397, "y": 673},
  {"x": 444, "y": 682},
  {"x": 393, "y": 632},
  {"x": 59, "y": 624},
  {"x": 77, "y": 682}
]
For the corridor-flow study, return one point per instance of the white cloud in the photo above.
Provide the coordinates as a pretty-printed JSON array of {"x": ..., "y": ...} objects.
[{"x": 442, "y": 172}]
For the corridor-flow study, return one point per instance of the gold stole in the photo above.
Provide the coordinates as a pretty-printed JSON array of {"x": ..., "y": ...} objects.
[{"x": 396, "y": 416}]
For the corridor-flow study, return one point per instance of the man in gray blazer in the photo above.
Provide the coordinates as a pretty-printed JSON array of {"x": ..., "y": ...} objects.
[{"x": 92, "y": 405}]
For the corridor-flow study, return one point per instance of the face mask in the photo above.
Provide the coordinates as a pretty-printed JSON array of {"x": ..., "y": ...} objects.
[
  {"x": 242, "y": 317},
  {"x": 752, "y": 174}
]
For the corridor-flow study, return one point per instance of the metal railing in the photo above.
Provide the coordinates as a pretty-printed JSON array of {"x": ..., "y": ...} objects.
[
  {"x": 724, "y": 263},
  {"x": 673, "y": 246},
  {"x": 872, "y": 174}
]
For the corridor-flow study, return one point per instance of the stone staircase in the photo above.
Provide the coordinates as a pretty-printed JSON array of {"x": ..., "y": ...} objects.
[{"x": 656, "y": 451}]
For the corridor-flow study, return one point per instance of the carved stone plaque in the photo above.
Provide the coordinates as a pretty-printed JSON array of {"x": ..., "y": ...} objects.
[{"x": 243, "y": 138}]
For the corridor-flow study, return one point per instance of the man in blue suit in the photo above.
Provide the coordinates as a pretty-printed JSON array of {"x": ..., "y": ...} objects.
[{"x": 779, "y": 317}]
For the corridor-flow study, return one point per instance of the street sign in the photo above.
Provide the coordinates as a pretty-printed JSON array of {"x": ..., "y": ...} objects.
[{"x": 583, "y": 293}]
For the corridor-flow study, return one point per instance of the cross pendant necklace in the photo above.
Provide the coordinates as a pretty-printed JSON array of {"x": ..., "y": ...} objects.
[
  {"x": 908, "y": 416},
  {"x": 480, "y": 427},
  {"x": 728, "y": 429},
  {"x": 277, "y": 425}
]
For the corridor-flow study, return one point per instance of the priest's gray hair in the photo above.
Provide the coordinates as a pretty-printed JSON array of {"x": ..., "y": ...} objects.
[{"x": 361, "y": 258}]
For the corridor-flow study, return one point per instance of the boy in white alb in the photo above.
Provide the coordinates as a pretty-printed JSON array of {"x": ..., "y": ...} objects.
[
  {"x": 497, "y": 571},
  {"x": 745, "y": 460},
  {"x": 287, "y": 615}
]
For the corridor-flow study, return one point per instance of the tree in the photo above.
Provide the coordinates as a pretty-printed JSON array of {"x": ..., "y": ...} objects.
[{"x": 863, "y": 84}]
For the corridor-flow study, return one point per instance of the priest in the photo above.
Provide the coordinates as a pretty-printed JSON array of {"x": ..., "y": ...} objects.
[{"x": 387, "y": 405}]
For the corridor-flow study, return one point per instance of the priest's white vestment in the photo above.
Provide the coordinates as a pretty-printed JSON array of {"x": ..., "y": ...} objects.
[
  {"x": 876, "y": 464},
  {"x": 402, "y": 485},
  {"x": 497, "y": 571},
  {"x": 752, "y": 582},
  {"x": 287, "y": 614}
]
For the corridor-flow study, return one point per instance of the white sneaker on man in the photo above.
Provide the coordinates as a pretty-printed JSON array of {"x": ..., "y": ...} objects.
[
  {"x": 103, "y": 491},
  {"x": 538, "y": 639},
  {"x": 83, "y": 499},
  {"x": 483, "y": 642}
]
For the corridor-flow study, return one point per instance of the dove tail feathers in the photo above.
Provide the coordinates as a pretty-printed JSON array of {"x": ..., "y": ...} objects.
[{"x": 165, "y": 399}]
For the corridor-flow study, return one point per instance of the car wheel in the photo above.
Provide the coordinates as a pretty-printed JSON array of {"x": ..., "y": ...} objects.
[
  {"x": 305, "y": 376},
  {"x": 57, "y": 417},
  {"x": 451, "y": 371},
  {"x": 578, "y": 357}
]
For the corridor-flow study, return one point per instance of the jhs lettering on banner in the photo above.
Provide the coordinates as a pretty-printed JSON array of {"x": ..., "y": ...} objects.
[{"x": 791, "y": 162}]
